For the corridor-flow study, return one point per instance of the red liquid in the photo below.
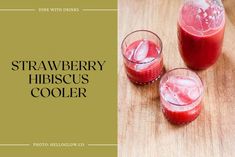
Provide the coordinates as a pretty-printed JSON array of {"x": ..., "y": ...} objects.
[
  {"x": 182, "y": 117},
  {"x": 143, "y": 61},
  {"x": 200, "y": 34},
  {"x": 181, "y": 100}
]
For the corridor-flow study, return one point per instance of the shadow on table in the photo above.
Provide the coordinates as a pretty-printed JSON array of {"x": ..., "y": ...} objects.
[
  {"x": 229, "y": 6},
  {"x": 150, "y": 90},
  {"x": 148, "y": 98},
  {"x": 223, "y": 64}
]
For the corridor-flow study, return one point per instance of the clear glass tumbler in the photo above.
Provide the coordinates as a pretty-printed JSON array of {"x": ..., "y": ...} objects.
[
  {"x": 142, "y": 55},
  {"x": 181, "y": 92}
]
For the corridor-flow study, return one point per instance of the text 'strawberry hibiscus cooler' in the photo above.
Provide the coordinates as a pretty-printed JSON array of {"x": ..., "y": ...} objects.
[
  {"x": 142, "y": 54},
  {"x": 201, "y": 26},
  {"x": 181, "y": 92}
]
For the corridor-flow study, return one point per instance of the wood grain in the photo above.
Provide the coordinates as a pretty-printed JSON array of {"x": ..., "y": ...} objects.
[{"x": 142, "y": 129}]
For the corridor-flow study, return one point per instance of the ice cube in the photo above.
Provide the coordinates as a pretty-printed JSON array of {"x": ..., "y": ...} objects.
[
  {"x": 130, "y": 54},
  {"x": 193, "y": 93},
  {"x": 183, "y": 81},
  {"x": 141, "y": 51},
  {"x": 189, "y": 18},
  {"x": 198, "y": 23},
  {"x": 170, "y": 96},
  {"x": 203, "y": 4},
  {"x": 176, "y": 94},
  {"x": 187, "y": 89},
  {"x": 184, "y": 98},
  {"x": 148, "y": 59},
  {"x": 144, "y": 63}
]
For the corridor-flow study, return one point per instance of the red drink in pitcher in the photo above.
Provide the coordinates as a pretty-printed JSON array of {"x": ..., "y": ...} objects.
[
  {"x": 201, "y": 26},
  {"x": 142, "y": 56}
]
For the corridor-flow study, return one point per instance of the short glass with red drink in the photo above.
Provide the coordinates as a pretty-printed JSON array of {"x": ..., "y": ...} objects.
[
  {"x": 142, "y": 56},
  {"x": 181, "y": 92}
]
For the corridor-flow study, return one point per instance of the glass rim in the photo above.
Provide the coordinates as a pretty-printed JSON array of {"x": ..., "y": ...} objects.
[
  {"x": 186, "y": 104},
  {"x": 215, "y": 30},
  {"x": 141, "y": 30}
]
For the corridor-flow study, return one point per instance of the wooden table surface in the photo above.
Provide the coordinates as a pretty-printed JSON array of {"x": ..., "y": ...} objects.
[{"x": 142, "y": 129}]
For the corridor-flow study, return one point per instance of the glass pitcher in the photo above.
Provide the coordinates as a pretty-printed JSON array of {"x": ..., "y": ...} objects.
[{"x": 201, "y": 25}]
